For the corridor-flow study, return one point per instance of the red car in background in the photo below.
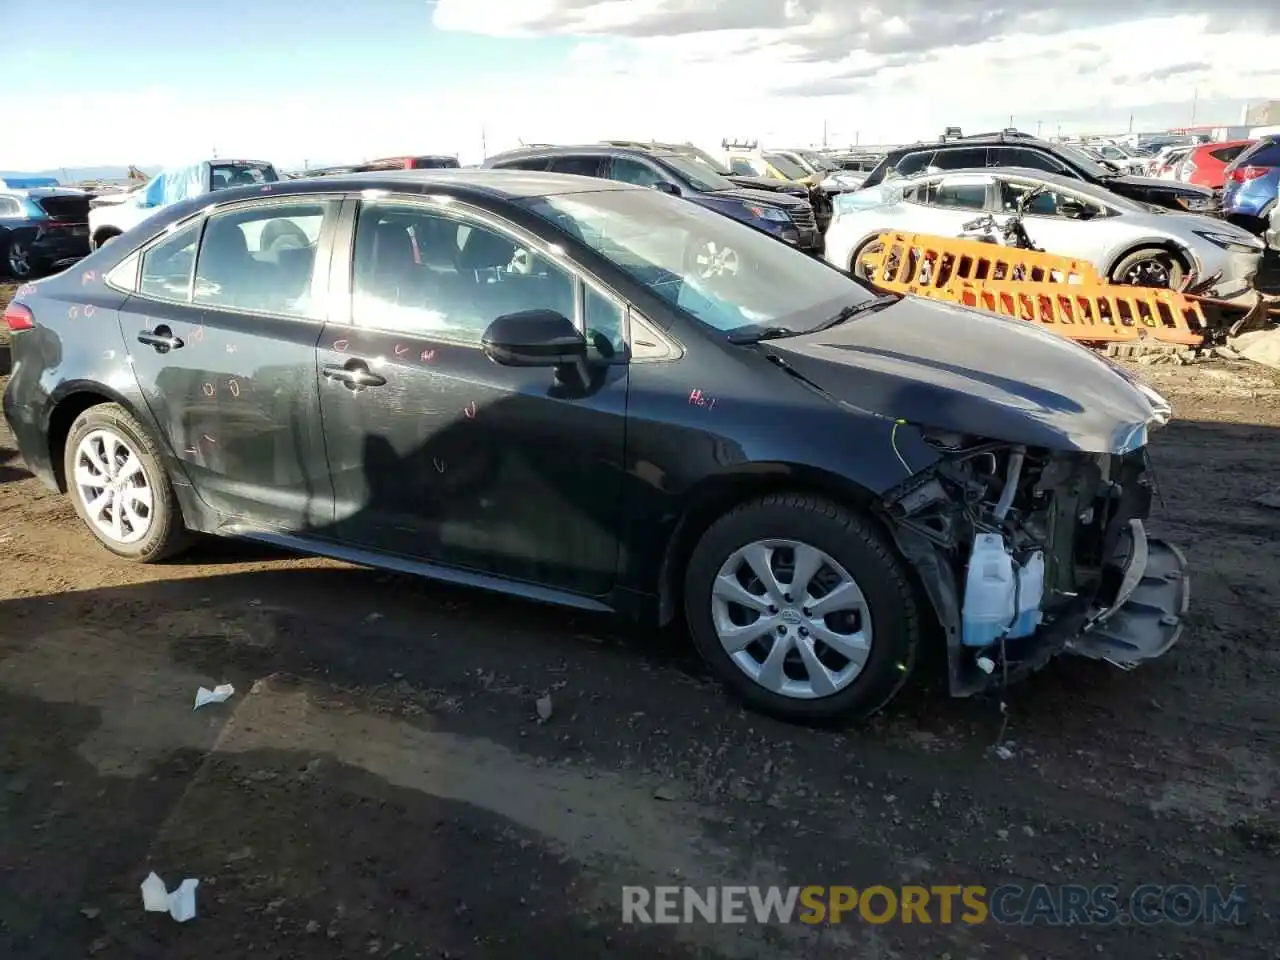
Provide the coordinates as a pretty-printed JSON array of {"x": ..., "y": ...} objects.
[{"x": 1206, "y": 165}]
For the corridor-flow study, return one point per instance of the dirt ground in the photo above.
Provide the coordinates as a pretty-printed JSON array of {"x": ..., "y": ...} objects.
[{"x": 381, "y": 784}]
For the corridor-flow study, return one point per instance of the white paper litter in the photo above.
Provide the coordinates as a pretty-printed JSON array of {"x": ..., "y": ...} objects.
[
  {"x": 181, "y": 904},
  {"x": 219, "y": 694}
]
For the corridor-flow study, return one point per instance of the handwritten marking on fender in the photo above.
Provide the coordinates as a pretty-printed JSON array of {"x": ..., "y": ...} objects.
[
  {"x": 234, "y": 387},
  {"x": 699, "y": 399},
  {"x": 88, "y": 277},
  {"x": 194, "y": 451},
  {"x": 341, "y": 345},
  {"x": 401, "y": 350},
  {"x": 205, "y": 436},
  {"x": 89, "y": 310},
  {"x": 209, "y": 389},
  {"x": 73, "y": 313},
  {"x": 231, "y": 348},
  {"x": 438, "y": 464},
  {"x": 427, "y": 356},
  {"x": 469, "y": 411},
  {"x": 197, "y": 334}
]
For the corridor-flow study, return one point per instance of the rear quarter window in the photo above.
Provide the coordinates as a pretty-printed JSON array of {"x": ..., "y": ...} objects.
[{"x": 1227, "y": 154}]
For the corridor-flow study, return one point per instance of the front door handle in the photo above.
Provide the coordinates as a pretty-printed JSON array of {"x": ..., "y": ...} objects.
[
  {"x": 353, "y": 376},
  {"x": 161, "y": 338}
]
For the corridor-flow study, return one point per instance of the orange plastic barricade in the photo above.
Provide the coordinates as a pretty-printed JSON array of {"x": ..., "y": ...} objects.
[{"x": 1066, "y": 295}]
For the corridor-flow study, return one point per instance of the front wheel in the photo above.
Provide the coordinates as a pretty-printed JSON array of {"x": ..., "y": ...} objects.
[
  {"x": 802, "y": 609},
  {"x": 119, "y": 486},
  {"x": 1150, "y": 267}
]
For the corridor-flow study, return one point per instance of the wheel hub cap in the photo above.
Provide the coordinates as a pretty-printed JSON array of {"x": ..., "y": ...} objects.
[
  {"x": 113, "y": 487},
  {"x": 791, "y": 618}
]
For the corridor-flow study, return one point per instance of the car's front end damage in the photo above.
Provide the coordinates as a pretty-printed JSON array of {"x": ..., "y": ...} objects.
[
  {"x": 1085, "y": 577},
  {"x": 1024, "y": 487}
]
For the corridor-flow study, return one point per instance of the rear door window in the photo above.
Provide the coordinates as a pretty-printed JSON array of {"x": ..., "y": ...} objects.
[
  {"x": 166, "y": 267},
  {"x": 1022, "y": 157},
  {"x": 579, "y": 166},
  {"x": 234, "y": 174},
  {"x": 532, "y": 163},
  {"x": 959, "y": 194},
  {"x": 627, "y": 170},
  {"x": 261, "y": 259},
  {"x": 960, "y": 159}
]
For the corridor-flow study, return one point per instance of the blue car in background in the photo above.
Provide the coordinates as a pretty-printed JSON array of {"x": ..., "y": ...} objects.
[
  {"x": 1251, "y": 183},
  {"x": 42, "y": 226},
  {"x": 784, "y": 217}
]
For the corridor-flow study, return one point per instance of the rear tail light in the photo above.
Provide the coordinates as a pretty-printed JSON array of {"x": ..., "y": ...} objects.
[
  {"x": 18, "y": 317},
  {"x": 1245, "y": 174}
]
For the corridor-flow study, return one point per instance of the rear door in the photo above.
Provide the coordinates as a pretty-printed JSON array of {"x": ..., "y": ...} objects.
[
  {"x": 222, "y": 329},
  {"x": 440, "y": 455}
]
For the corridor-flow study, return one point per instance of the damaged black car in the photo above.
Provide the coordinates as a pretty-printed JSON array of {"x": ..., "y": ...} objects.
[{"x": 597, "y": 395}]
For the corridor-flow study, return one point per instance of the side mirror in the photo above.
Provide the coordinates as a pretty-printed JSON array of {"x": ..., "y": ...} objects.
[
  {"x": 663, "y": 186},
  {"x": 534, "y": 338}
]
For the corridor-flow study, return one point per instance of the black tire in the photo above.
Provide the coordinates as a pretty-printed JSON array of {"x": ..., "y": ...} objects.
[
  {"x": 167, "y": 534},
  {"x": 1169, "y": 263},
  {"x": 855, "y": 544}
]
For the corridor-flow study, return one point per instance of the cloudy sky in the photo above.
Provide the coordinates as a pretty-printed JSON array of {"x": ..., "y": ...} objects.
[{"x": 330, "y": 81}]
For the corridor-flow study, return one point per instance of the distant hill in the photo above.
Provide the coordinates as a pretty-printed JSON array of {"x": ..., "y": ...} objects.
[{"x": 76, "y": 174}]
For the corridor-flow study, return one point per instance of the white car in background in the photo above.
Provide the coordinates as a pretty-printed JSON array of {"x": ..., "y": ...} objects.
[{"x": 1127, "y": 241}]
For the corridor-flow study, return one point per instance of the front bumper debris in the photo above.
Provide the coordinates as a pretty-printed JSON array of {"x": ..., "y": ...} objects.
[{"x": 1146, "y": 618}]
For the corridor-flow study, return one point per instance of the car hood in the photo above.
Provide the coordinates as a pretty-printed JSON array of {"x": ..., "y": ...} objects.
[
  {"x": 956, "y": 369},
  {"x": 768, "y": 184},
  {"x": 1163, "y": 186},
  {"x": 767, "y": 197}
]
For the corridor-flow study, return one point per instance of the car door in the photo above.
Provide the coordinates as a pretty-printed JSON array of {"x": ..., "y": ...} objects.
[
  {"x": 943, "y": 205},
  {"x": 1050, "y": 227},
  {"x": 221, "y": 327},
  {"x": 439, "y": 455}
]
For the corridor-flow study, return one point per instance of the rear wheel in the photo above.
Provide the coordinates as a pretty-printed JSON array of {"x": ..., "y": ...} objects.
[
  {"x": 802, "y": 609},
  {"x": 118, "y": 484}
]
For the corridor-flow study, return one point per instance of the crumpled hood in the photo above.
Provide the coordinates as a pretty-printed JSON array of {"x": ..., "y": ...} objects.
[
  {"x": 1163, "y": 186},
  {"x": 766, "y": 197},
  {"x": 770, "y": 185},
  {"x": 953, "y": 368}
]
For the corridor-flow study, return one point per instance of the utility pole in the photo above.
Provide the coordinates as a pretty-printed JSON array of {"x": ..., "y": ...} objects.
[
  {"x": 484, "y": 145},
  {"x": 1039, "y": 123},
  {"x": 1011, "y": 120},
  {"x": 1131, "y": 123},
  {"x": 1195, "y": 102},
  {"x": 824, "y": 134}
]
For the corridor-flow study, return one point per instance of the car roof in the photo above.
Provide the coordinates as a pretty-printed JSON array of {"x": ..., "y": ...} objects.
[
  {"x": 495, "y": 184},
  {"x": 600, "y": 148}
]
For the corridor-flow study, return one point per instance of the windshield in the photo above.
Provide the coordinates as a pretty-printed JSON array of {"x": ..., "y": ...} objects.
[
  {"x": 705, "y": 158},
  {"x": 786, "y": 166},
  {"x": 718, "y": 271},
  {"x": 1082, "y": 161},
  {"x": 699, "y": 175}
]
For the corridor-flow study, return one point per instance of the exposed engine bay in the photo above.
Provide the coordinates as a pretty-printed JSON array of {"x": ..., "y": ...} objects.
[{"x": 1027, "y": 553}]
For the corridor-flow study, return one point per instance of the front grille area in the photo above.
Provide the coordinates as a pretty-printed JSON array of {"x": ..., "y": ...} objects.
[{"x": 803, "y": 218}]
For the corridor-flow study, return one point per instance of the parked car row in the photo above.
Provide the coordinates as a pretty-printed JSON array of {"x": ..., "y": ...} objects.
[
  {"x": 42, "y": 226},
  {"x": 628, "y": 392}
]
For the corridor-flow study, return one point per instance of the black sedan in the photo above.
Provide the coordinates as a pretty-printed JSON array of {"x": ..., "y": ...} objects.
[{"x": 511, "y": 380}]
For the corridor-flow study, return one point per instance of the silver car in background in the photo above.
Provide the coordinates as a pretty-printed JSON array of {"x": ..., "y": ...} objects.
[{"x": 1127, "y": 241}]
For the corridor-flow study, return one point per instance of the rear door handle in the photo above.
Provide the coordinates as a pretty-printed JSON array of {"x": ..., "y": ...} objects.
[
  {"x": 161, "y": 338},
  {"x": 353, "y": 376}
]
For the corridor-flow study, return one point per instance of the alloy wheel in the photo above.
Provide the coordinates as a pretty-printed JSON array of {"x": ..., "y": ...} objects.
[
  {"x": 113, "y": 486},
  {"x": 19, "y": 259},
  {"x": 791, "y": 618},
  {"x": 714, "y": 260},
  {"x": 1154, "y": 272}
]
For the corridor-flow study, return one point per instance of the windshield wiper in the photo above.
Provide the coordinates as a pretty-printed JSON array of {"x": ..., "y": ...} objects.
[
  {"x": 764, "y": 333},
  {"x": 857, "y": 309}
]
